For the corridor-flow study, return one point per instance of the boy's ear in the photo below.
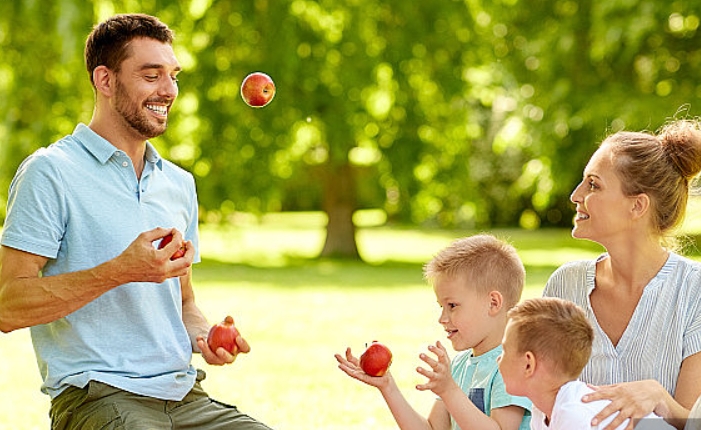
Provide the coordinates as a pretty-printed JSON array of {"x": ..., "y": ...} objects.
[
  {"x": 496, "y": 302},
  {"x": 530, "y": 364}
]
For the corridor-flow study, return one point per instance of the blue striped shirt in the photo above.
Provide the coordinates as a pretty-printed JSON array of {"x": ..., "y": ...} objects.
[{"x": 664, "y": 330}]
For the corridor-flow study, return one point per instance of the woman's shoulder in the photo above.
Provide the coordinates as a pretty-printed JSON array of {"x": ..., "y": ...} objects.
[
  {"x": 571, "y": 280},
  {"x": 574, "y": 270},
  {"x": 680, "y": 270}
]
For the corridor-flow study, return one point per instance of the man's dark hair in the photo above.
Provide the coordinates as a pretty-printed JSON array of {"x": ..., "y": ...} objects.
[{"x": 108, "y": 43}]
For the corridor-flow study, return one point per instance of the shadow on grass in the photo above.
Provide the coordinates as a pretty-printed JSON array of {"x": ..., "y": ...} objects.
[{"x": 336, "y": 274}]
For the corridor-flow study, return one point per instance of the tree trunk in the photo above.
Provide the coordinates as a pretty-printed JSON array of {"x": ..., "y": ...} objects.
[{"x": 339, "y": 203}]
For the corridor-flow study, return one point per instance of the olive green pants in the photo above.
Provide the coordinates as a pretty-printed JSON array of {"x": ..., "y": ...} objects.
[{"x": 102, "y": 407}]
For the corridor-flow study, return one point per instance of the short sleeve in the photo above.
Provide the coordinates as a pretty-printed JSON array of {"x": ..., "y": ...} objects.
[
  {"x": 500, "y": 398},
  {"x": 36, "y": 208}
]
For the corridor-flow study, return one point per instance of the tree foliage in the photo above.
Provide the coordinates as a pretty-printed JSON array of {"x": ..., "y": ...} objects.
[{"x": 466, "y": 113}]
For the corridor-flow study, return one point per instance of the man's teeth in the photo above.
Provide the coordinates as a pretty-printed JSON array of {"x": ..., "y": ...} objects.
[{"x": 161, "y": 110}]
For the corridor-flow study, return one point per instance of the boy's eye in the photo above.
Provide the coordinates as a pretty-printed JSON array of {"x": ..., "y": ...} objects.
[{"x": 452, "y": 305}]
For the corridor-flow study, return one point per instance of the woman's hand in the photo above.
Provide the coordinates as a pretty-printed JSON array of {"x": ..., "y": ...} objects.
[{"x": 632, "y": 400}]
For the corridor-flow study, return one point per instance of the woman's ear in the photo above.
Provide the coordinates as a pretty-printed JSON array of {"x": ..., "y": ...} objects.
[{"x": 641, "y": 204}]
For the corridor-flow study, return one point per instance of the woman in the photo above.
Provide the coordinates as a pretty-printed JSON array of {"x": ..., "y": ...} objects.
[{"x": 643, "y": 299}]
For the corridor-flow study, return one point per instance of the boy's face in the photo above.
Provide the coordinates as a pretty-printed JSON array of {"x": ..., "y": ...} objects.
[
  {"x": 512, "y": 362},
  {"x": 465, "y": 314}
]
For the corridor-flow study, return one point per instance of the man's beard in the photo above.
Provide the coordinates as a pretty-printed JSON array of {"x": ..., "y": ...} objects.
[{"x": 134, "y": 116}]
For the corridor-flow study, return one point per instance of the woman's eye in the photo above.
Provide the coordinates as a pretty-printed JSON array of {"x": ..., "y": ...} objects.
[{"x": 592, "y": 185}]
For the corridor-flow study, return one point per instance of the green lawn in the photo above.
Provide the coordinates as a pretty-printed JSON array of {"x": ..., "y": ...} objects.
[{"x": 297, "y": 312}]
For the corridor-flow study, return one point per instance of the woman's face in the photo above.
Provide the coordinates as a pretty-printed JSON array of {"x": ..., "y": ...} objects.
[{"x": 604, "y": 213}]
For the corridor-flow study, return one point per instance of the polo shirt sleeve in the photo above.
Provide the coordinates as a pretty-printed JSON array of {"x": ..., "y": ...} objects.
[{"x": 36, "y": 208}]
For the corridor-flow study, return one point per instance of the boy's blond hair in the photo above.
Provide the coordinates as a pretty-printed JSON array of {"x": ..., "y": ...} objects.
[
  {"x": 488, "y": 263},
  {"x": 554, "y": 330}
]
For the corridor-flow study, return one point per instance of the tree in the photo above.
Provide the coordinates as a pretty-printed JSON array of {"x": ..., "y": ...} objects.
[{"x": 457, "y": 113}]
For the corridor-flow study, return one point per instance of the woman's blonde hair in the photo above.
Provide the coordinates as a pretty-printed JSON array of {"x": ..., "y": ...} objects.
[{"x": 662, "y": 166}]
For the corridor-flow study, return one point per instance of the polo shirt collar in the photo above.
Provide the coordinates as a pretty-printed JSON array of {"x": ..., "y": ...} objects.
[{"x": 103, "y": 150}]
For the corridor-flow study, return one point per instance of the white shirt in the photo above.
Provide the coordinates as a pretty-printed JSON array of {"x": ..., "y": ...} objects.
[{"x": 570, "y": 413}]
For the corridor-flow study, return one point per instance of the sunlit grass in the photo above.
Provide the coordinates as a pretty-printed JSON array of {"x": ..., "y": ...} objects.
[{"x": 297, "y": 312}]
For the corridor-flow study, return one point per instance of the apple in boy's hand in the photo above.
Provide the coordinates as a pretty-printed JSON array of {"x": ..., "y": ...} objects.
[
  {"x": 257, "y": 89},
  {"x": 376, "y": 359},
  {"x": 179, "y": 253},
  {"x": 223, "y": 335}
]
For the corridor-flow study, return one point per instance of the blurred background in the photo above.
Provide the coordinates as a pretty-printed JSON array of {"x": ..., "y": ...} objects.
[
  {"x": 442, "y": 113},
  {"x": 397, "y": 126}
]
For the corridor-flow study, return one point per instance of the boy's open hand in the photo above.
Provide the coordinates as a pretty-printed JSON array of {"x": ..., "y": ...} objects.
[
  {"x": 440, "y": 380},
  {"x": 351, "y": 366}
]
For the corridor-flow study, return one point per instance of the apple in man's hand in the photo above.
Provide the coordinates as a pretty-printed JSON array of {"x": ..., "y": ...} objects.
[
  {"x": 179, "y": 253},
  {"x": 257, "y": 89},
  {"x": 376, "y": 359},
  {"x": 223, "y": 335}
]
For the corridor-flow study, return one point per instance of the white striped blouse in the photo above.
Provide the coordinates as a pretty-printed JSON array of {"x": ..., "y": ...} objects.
[{"x": 665, "y": 327}]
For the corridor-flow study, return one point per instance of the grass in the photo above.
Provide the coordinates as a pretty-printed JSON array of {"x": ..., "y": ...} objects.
[{"x": 297, "y": 312}]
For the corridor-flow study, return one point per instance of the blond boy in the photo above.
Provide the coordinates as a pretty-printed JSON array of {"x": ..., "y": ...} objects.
[
  {"x": 476, "y": 280},
  {"x": 546, "y": 345}
]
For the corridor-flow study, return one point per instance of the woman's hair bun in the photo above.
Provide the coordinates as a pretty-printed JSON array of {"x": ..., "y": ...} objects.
[{"x": 681, "y": 140}]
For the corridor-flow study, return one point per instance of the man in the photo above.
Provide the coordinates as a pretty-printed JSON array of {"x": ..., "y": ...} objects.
[{"x": 113, "y": 319}]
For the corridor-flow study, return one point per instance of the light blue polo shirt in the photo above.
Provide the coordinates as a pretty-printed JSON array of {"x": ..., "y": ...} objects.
[{"x": 79, "y": 203}]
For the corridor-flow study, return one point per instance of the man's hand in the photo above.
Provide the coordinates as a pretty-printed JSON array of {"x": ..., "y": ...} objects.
[
  {"x": 142, "y": 262},
  {"x": 221, "y": 356}
]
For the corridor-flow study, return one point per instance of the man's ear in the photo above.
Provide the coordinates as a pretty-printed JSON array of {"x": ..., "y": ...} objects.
[
  {"x": 496, "y": 301},
  {"x": 104, "y": 80}
]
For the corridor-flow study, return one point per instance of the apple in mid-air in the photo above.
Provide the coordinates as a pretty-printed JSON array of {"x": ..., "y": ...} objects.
[
  {"x": 179, "y": 253},
  {"x": 376, "y": 359},
  {"x": 257, "y": 89},
  {"x": 223, "y": 335}
]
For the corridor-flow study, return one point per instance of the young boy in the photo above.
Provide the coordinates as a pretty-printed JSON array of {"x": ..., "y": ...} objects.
[
  {"x": 546, "y": 345},
  {"x": 476, "y": 280}
]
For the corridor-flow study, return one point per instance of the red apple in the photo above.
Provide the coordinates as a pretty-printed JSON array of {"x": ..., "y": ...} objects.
[
  {"x": 223, "y": 335},
  {"x": 376, "y": 359},
  {"x": 179, "y": 253},
  {"x": 257, "y": 89}
]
